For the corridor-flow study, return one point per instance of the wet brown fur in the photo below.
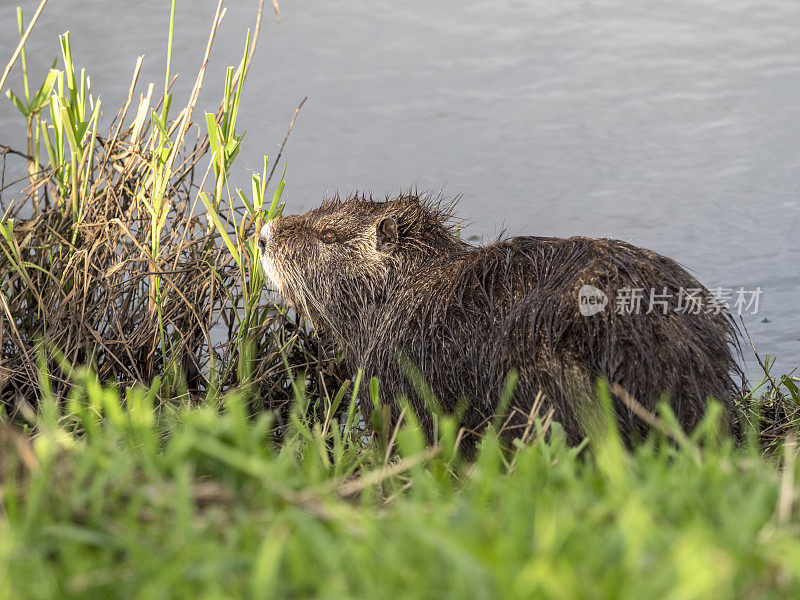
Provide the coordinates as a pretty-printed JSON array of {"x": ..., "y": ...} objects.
[{"x": 393, "y": 279}]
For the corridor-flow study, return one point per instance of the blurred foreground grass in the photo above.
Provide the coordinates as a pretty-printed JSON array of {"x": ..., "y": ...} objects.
[{"x": 115, "y": 499}]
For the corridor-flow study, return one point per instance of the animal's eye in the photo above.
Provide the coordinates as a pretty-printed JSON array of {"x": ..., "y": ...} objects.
[{"x": 328, "y": 236}]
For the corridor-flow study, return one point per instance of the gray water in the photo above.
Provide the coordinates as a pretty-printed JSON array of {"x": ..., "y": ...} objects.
[{"x": 674, "y": 125}]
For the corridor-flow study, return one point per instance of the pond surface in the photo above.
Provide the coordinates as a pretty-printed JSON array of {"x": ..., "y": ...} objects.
[{"x": 673, "y": 125}]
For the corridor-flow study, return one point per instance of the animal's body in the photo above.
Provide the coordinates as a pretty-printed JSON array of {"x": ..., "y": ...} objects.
[{"x": 390, "y": 279}]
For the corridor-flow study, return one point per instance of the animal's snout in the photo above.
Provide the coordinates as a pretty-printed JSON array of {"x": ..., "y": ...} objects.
[
  {"x": 266, "y": 235},
  {"x": 266, "y": 249}
]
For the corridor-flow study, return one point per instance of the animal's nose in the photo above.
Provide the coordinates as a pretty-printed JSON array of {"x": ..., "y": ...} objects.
[{"x": 267, "y": 232}]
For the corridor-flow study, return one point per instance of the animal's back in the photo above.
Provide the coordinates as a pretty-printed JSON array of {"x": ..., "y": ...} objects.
[{"x": 514, "y": 305}]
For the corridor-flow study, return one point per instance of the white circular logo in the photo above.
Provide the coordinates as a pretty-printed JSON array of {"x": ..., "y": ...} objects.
[{"x": 591, "y": 300}]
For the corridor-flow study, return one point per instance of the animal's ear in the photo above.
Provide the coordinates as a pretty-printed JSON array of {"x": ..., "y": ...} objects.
[{"x": 386, "y": 234}]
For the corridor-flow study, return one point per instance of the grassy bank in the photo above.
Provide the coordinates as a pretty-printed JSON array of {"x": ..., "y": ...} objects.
[{"x": 116, "y": 500}]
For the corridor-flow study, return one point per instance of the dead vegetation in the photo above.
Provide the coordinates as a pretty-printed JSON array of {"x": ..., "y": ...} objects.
[{"x": 112, "y": 258}]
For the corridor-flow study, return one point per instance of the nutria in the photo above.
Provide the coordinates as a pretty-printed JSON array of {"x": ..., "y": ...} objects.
[{"x": 394, "y": 285}]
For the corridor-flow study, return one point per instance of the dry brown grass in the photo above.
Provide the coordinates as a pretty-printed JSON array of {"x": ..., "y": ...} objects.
[
  {"x": 85, "y": 290},
  {"x": 92, "y": 289}
]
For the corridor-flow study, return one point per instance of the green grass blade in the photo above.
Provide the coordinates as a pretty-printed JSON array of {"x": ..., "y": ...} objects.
[{"x": 221, "y": 228}]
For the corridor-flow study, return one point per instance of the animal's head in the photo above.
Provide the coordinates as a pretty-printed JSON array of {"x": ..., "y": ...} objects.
[{"x": 338, "y": 258}]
